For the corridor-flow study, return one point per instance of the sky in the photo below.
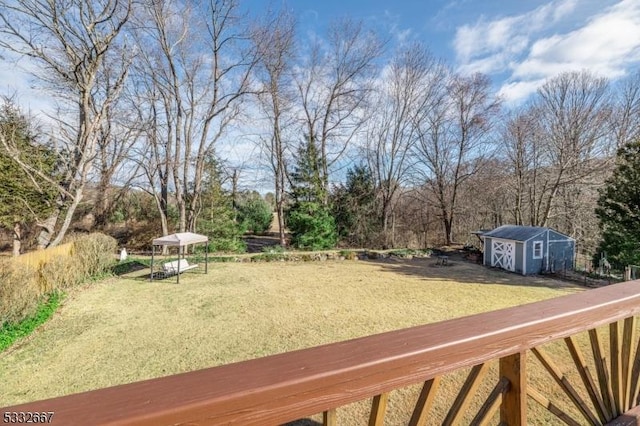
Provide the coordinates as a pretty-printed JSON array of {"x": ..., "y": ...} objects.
[{"x": 518, "y": 44}]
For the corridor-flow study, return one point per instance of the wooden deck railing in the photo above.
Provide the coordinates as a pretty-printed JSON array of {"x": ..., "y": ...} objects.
[{"x": 289, "y": 386}]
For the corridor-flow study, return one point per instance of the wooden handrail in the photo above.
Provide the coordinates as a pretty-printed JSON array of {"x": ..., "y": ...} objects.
[{"x": 288, "y": 386}]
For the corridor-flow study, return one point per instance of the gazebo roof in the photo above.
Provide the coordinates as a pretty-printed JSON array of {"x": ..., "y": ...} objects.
[{"x": 180, "y": 239}]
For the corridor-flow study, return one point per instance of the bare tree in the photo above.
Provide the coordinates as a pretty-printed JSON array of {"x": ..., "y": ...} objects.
[
  {"x": 521, "y": 146},
  {"x": 274, "y": 39},
  {"x": 485, "y": 199},
  {"x": 69, "y": 42},
  {"x": 452, "y": 131},
  {"x": 197, "y": 72},
  {"x": 405, "y": 86},
  {"x": 153, "y": 153},
  {"x": 558, "y": 150},
  {"x": 573, "y": 113},
  {"x": 118, "y": 135},
  {"x": 333, "y": 85},
  {"x": 625, "y": 117}
]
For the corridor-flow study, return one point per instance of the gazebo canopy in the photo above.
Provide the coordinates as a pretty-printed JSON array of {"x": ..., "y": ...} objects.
[{"x": 180, "y": 239}]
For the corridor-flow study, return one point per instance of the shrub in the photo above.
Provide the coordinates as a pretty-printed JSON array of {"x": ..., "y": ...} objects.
[
  {"x": 347, "y": 254},
  {"x": 60, "y": 272},
  {"x": 273, "y": 249},
  {"x": 270, "y": 257},
  {"x": 19, "y": 291},
  {"x": 94, "y": 253},
  {"x": 224, "y": 245},
  {"x": 23, "y": 286}
]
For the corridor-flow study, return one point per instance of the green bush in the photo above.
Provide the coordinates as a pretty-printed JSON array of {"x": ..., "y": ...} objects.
[
  {"x": 312, "y": 226},
  {"x": 269, "y": 257},
  {"x": 224, "y": 245},
  {"x": 273, "y": 249},
  {"x": 255, "y": 215}
]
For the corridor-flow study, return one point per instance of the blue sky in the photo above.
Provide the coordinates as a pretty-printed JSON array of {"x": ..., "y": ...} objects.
[{"x": 518, "y": 44}]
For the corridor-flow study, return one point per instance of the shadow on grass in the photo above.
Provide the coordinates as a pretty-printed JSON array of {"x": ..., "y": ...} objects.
[
  {"x": 145, "y": 275},
  {"x": 128, "y": 267},
  {"x": 465, "y": 272},
  {"x": 139, "y": 270}
]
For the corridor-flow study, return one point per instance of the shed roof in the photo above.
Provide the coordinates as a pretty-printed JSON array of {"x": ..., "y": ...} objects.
[
  {"x": 180, "y": 239},
  {"x": 515, "y": 232}
]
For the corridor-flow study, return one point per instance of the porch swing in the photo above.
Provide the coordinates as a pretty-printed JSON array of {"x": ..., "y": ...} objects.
[{"x": 176, "y": 267}]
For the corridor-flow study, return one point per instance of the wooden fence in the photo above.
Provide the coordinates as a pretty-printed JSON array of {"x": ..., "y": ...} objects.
[
  {"x": 36, "y": 258},
  {"x": 293, "y": 385}
]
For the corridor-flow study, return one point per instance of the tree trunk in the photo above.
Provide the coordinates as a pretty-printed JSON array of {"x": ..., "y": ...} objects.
[
  {"x": 448, "y": 231},
  {"x": 103, "y": 206},
  {"x": 17, "y": 238},
  {"x": 234, "y": 194},
  {"x": 280, "y": 209},
  {"x": 393, "y": 230},
  {"x": 161, "y": 203},
  {"x": 68, "y": 217},
  {"x": 48, "y": 227}
]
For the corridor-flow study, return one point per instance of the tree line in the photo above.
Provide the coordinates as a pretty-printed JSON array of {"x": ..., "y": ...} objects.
[{"x": 362, "y": 141}]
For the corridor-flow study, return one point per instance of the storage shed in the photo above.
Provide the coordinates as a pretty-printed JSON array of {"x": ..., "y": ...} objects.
[{"x": 528, "y": 249}]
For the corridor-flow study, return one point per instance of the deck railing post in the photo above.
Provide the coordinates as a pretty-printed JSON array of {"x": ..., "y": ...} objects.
[{"x": 513, "y": 411}]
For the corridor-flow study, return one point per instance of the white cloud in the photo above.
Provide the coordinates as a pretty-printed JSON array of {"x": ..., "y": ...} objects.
[
  {"x": 488, "y": 45},
  {"x": 606, "y": 45},
  {"x": 519, "y": 89},
  {"x": 563, "y": 9},
  {"x": 539, "y": 44}
]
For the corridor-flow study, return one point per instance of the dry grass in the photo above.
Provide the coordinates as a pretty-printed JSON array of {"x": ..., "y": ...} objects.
[
  {"x": 127, "y": 329},
  {"x": 27, "y": 279},
  {"x": 36, "y": 258},
  {"x": 19, "y": 290}
]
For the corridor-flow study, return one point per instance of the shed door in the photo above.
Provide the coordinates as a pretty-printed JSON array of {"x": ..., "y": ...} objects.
[{"x": 503, "y": 255}]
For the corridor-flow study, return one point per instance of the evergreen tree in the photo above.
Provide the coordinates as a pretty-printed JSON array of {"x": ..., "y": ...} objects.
[
  {"x": 354, "y": 208},
  {"x": 254, "y": 213},
  {"x": 619, "y": 210},
  {"x": 217, "y": 218},
  {"x": 306, "y": 177},
  {"x": 24, "y": 200},
  {"x": 310, "y": 220}
]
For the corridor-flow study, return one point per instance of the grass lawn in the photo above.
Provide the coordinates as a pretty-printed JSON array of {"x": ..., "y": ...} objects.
[{"x": 126, "y": 329}]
